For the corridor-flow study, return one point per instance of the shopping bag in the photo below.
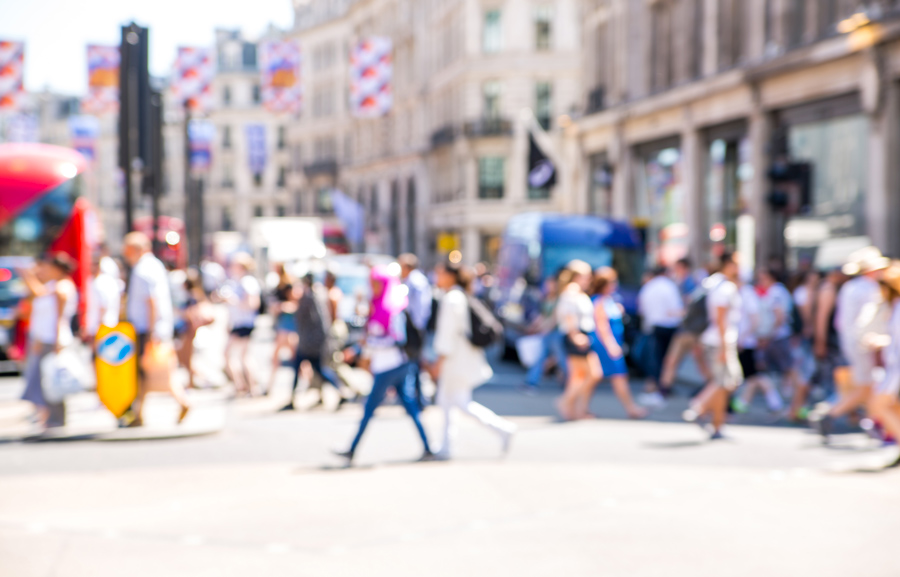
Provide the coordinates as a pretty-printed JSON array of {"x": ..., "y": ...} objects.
[
  {"x": 62, "y": 374},
  {"x": 159, "y": 362},
  {"x": 529, "y": 349}
]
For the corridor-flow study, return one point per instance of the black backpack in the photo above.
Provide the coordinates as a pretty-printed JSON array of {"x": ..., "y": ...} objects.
[
  {"x": 486, "y": 329},
  {"x": 415, "y": 339},
  {"x": 697, "y": 318}
]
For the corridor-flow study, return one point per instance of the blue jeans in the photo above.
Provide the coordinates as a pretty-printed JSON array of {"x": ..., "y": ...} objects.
[
  {"x": 552, "y": 345},
  {"x": 403, "y": 380},
  {"x": 316, "y": 362}
]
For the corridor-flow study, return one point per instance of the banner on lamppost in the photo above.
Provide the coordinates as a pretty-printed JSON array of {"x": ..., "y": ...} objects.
[
  {"x": 371, "y": 74},
  {"x": 256, "y": 147},
  {"x": 281, "y": 87},
  {"x": 202, "y": 134},
  {"x": 194, "y": 73},
  {"x": 84, "y": 131},
  {"x": 103, "y": 80},
  {"x": 12, "y": 66},
  {"x": 23, "y": 127}
]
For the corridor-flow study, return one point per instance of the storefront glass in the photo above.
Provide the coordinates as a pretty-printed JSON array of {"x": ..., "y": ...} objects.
[
  {"x": 728, "y": 176},
  {"x": 837, "y": 152},
  {"x": 659, "y": 203}
]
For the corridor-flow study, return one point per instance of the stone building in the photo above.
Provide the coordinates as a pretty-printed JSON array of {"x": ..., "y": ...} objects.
[
  {"x": 447, "y": 167},
  {"x": 718, "y": 124}
]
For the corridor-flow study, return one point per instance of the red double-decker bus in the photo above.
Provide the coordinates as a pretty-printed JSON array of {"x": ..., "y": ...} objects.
[{"x": 41, "y": 210}]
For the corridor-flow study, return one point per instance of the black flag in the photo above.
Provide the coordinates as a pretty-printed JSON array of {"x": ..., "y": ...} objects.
[{"x": 541, "y": 170}]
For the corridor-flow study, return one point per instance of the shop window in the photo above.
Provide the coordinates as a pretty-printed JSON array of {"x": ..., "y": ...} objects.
[
  {"x": 257, "y": 211},
  {"x": 227, "y": 219},
  {"x": 728, "y": 174},
  {"x": 659, "y": 203},
  {"x": 281, "y": 210},
  {"x": 543, "y": 28},
  {"x": 491, "y": 177},
  {"x": 492, "y": 36}
]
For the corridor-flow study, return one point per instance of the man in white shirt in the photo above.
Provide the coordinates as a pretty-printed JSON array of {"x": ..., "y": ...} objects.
[
  {"x": 859, "y": 313},
  {"x": 723, "y": 302},
  {"x": 661, "y": 306}
]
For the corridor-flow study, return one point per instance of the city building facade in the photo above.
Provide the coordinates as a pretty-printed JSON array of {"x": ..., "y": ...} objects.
[{"x": 764, "y": 125}]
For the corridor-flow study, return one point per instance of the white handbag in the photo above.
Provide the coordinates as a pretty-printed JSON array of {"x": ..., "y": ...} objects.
[{"x": 62, "y": 374}]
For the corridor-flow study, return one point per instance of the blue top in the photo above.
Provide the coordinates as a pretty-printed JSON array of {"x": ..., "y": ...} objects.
[{"x": 614, "y": 314}]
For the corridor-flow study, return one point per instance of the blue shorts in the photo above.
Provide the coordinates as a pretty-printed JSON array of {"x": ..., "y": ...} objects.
[
  {"x": 611, "y": 367},
  {"x": 286, "y": 323}
]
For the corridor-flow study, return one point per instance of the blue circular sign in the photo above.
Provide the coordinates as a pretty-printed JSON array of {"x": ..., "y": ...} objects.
[{"x": 115, "y": 349}]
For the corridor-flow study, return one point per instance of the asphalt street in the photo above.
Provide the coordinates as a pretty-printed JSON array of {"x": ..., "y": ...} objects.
[{"x": 265, "y": 496}]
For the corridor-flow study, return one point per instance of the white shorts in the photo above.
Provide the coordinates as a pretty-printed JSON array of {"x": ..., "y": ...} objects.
[
  {"x": 889, "y": 384},
  {"x": 861, "y": 362},
  {"x": 729, "y": 374}
]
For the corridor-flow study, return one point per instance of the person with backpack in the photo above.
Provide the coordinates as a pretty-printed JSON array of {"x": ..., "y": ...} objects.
[
  {"x": 687, "y": 338},
  {"x": 720, "y": 340},
  {"x": 383, "y": 348},
  {"x": 462, "y": 363}
]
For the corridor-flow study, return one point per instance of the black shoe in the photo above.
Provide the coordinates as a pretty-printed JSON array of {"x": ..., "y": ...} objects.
[
  {"x": 287, "y": 407},
  {"x": 824, "y": 426},
  {"x": 427, "y": 456},
  {"x": 344, "y": 455},
  {"x": 716, "y": 436}
]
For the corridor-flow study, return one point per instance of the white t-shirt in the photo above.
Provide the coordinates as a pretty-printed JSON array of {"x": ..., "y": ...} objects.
[
  {"x": 723, "y": 293},
  {"x": 777, "y": 298},
  {"x": 105, "y": 295},
  {"x": 856, "y": 295},
  {"x": 747, "y": 337},
  {"x": 149, "y": 280},
  {"x": 575, "y": 308},
  {"x": 240, "y": 314},
  {"x": 660, "y": 303}
]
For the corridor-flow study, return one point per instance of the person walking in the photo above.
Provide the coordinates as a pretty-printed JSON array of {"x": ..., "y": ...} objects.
[
  {"x": 53, "y": 305},
  {"x": 104, "y": 302},
  {"x": 461, "y": 366},
  {"x": 149, "y": 309},
  {"x": 749, "y": 353},
  {"x": 197, "y": 313},
  {"x": 575, "y": 315},
  {"x": 884, "y": 406},
  {"x": 661, "y": 306},
  {"x": 242, "y": 294},
  {"x": 859, "y": 313},
  {"x": 609, "y": 339},
  {"x": 313, "y": 324},
  {"x": 285, "y": 310},
  {"x": 723, "y": 303},
  {"x": 383, "y": 349},
  {"x": 417, "y": 314},
  {"x": 551, "y": 338}
]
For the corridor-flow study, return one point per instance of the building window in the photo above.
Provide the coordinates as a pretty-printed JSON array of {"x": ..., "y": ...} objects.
[
  {"x": 543, "y": 28},
  {"x": 227, "y": 176},
  {"x": 282, "y": 137},
  {"x": 395, "y": 218},
  {"x": 281, "y": 210},
  {"x": 257, "y": 211},
  {"x": 226, "y": 137},
  {"x": 282, "y": 176},
  {"x": 492, "y": 41},
  {"x": 662, "y": 54},
  {"x": 227, "y": 219},
  {"x": 796, "y": 24},
  {"x": 492, "y": 92},
  {"x": 226, "y": 96},
  {"x": 600, "y": 190},
  {"x": 297, "y": 158},
  {"x": 257, "y": 179},
  {"x": 731, "y": 26},
  {"x": 257, "y": 94},
  {"x": 248, "y": 56},
  {"x": 323, "y": 201},
  {"x": 491, "y": 177},
  {"x": 543, "y": 104}
]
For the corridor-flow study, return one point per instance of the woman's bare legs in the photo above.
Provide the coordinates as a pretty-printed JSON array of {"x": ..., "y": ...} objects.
[
  {"x": 283, "y": 340},
  {"x": 234, "y": 353},
  {"x": 591, "y": 379},
  {"x": 578, "y": 370},
  {"x": 623, "y": 393}
]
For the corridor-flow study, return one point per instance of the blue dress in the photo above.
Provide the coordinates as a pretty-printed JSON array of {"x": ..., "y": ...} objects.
[{"x": 611, "y": 366}]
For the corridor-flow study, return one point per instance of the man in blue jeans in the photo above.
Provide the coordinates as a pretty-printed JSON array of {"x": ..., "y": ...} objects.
[{"x": 551, "y": 344}]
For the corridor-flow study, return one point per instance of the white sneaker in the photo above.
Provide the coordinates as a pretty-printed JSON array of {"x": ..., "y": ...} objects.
[
  {"x": 506, "y": 439},
  {"x": 652, "y": 400}
]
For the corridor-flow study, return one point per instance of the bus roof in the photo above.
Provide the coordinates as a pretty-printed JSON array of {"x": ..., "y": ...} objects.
[
  {"x": 572, "y": 229},
  {"x": 29, "y": 170}
]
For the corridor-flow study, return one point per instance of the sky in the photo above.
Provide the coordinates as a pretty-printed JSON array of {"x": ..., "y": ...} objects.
[{"x": 56, "y": 31}]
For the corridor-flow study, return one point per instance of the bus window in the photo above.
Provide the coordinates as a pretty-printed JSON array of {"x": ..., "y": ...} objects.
[{"x": 34, "y": 230}]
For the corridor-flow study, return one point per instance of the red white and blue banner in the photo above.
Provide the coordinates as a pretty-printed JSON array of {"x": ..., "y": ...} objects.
[
  {"x": 12, "y": 67},
  {"x": 103, "y": 80},
  {"x": 194, "y": 73},
  {"x": 282, "y": 90},
  {"x": 84, "y": 131},
  {"x": 256, "y": 147},
  {"x": 202, "y": 134},
  {"x": 371, "y": 74}
]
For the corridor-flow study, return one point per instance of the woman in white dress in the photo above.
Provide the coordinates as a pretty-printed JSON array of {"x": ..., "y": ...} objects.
[
  {"x": 461, "y": 366},
  {"x": 54, "y": 303},
  {"x": 884, "y": 406}
]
